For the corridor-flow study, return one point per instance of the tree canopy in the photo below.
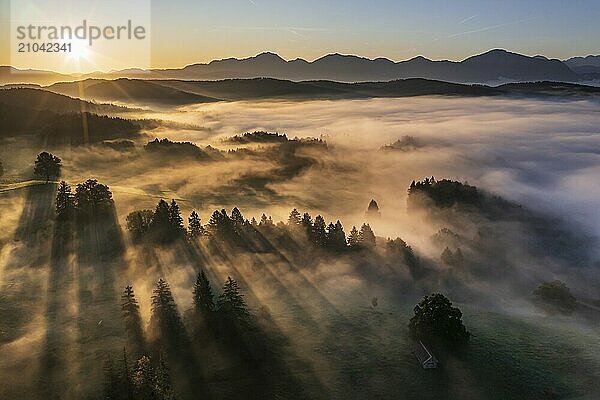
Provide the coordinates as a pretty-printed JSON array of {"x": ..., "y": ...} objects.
[
  {"x": 47, "y": 166},
  {"x": 557, "y": 294},
  {"x": 437, "y": 321}
]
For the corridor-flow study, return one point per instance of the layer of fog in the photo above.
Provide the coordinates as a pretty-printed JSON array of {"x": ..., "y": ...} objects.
[{"x": 541, "y": 153}]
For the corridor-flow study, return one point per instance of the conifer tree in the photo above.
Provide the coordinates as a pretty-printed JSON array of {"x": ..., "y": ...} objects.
[
  {"x": 131, "y": 315},
  {"x": 165, "y": 319},
  {"x": 64, "y": 202},
  {"x": 354, "y": 238},
  {"x": 144, "y": 380},
  {"x": 295, "y": 219},
  {"x": 366, "y": 236},
  {"x": 164, "y": 389},
  {"x": 336, "y": 238},
  {"x": 231, "y": 301},
  {"x": 175, "y": 219},
  {"x": 161, "y": 222},
  {"x": 319, "y": 233},
  {"x": 203, "y": 295},
  {"x": 195, "y": 228}
]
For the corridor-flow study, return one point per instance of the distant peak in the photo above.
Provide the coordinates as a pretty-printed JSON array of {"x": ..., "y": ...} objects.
[
  {"x": 419, "y": 58},
  {"x": 268, "y": 55}
]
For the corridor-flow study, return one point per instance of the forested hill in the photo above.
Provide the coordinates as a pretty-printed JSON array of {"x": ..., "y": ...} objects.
[
  {"x": 179, "y": 92},
  {"x": 37, "y": 99},
  {"x": 459, "y": 203},
  {"x": 59, "y": 129}
]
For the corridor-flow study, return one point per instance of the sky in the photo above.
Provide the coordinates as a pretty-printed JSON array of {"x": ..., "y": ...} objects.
[{"x": 186, "y": 31}]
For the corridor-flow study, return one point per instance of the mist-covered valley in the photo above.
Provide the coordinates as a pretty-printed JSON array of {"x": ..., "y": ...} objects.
[{"x": 481, "y": 199}]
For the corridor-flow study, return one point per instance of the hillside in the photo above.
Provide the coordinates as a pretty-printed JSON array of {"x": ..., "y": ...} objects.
[
  {"x": 38, "y": 99},
  {"x": 177, "y": 92},
  {"x": 127, "y": 90}
]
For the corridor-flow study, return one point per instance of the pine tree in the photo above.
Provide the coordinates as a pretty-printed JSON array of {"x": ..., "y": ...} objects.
[
  {"x": 175, "y": 220},
  {"x": 131, "y": 315},
  {"x": 238, "y": 224},
  {"x": 165, "y": 319},
  {"x": 64, "y": 202},
  {"x": 354, "y": 238},
  {"x": 231, "y": 301},
  {"x": 366, "y": 236},
  {"x": 195, "y": 228},
  {"x": 164, "y": 390},
  {"x": 336, "y": 238},
  {"x": 319, "y": 234},
  {"x": 160, "y": 226},
  {"x": 295, "y": 219},
  {"x": 144, "y": 380},
  {"x": 203, "y": 295}
]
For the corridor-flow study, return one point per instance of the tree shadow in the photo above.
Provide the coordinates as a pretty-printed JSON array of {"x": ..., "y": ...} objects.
[{"x": 21, "y": 291}]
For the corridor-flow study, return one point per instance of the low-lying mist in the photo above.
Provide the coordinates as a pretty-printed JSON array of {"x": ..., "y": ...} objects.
[{"x": 542, "y": 154}]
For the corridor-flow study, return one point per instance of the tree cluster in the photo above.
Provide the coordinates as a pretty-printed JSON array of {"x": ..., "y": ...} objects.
[
  {"x": 165, "y": 224},
  {"x": 446, "y": 193},
  {"x": 91, "y": 199}
]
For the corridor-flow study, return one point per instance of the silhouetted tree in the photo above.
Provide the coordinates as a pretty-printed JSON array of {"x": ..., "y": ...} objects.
[
  {"x": 47, "y": 166},
  {"x": 336, "y": 238},
  {"x": 175, "y": 219},
  {"x": 92, "y": 198},
  {"x": 354, "y": 238},
  {"x": 436, "y": 321},
  {"x": 138, "y": 223},
  {"x": 132, "y": 317},
  {"x": 65, "y": 202},
  {"x": 231, "y": 301},
  {"x": 203, "y": 295},
  {"x": 295, "y": 219},
  {"x": 366, "y": 236},
  {"x": 195, "y": 228},
  {"x": 165, "y": 319},
  {"x": 221, "y": 228},
  {"x": 318, "y": 233},
  {"x": 160, "y": 226},
  {"x": 373, "y": 210}
]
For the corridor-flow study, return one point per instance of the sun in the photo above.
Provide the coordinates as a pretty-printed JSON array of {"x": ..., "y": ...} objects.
[{"x": 79, "y": 50}]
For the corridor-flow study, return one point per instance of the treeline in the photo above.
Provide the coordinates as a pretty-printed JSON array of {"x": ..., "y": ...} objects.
[
  {"x": 182, "y": 149},
  {"x": 272, "y": 137},
  {"x": 446, "y": 193},
  {"x": 84, "y": 128},
  {"x": 57, "y": 129},
  {"x": 165, "y": 225}
]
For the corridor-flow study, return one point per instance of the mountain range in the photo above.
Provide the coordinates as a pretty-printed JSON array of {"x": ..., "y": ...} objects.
[{"x": 493, "y": 67}]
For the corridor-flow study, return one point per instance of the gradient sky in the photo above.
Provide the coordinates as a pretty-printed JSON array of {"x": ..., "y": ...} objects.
[{"x": 188, "y": 31}]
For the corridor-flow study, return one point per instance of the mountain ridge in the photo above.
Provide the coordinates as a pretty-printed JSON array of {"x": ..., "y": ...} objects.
[{"x": 493, "y": 67}]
